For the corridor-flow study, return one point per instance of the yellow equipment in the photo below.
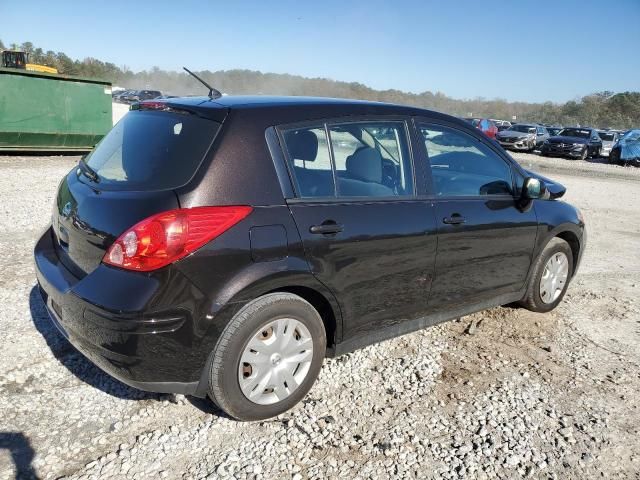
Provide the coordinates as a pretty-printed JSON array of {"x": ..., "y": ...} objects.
[{"x": 17, "y": 59}]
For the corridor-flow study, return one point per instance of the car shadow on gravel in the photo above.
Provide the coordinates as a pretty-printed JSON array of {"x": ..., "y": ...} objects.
[
  {"x": 74, "y": 361},
  {"x": 22, "y": 453}
]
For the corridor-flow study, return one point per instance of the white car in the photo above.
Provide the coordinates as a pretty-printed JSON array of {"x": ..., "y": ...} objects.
[{"x": 609, "y": 139}]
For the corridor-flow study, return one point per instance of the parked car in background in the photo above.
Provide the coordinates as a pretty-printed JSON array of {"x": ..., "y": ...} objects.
[
  {"x": 140, "y": 95},
  {"x": 501, "y": 123},
  {"x": 485, "y": 125},
  {"x": 523, "y": 136},
  {"x": 232, "y": 268},
  {"x": 574, "y": 142},
  {"x": 627, "y": 150},
  {"x": 119, "y": 97},
  {"x": 609, "y": 139}
]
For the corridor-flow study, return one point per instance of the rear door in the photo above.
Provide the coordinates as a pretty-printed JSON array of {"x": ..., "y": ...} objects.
[
  {"x": 368, "y": 235},
  {"x": 485, "y": 241}
]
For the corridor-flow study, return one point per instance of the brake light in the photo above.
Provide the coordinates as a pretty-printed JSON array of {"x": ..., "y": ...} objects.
[{"x": 169, "y": 236}]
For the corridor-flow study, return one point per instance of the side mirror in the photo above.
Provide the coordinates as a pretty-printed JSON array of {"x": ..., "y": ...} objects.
[{"x": 532, "y": 188}]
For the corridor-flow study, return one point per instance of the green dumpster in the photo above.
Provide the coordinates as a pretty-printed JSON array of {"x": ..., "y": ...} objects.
[{"x": 41, "y": 111}]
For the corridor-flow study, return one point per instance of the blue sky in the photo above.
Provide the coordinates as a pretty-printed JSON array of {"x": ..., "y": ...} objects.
[{"x": 518, "y": 50}]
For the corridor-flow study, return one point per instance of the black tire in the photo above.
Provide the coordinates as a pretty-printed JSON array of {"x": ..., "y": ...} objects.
[
  {"x": 614, "y": 157},
  {"x": 224, "y": 388},
  {"x": 585, "y": 154},
  {"x": 532, "y": 300}
]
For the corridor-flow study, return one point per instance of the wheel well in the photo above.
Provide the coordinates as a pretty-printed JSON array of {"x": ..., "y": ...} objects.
[
  {"x": 573, "y": 242},
  {"x": 321, "y": 304}
]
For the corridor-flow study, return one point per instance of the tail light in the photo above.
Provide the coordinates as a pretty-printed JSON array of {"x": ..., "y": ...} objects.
[{"x": 169, "y": 236}]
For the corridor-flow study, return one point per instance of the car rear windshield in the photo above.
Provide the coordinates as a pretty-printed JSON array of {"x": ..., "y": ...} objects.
[{"x": 152, "y": 150}]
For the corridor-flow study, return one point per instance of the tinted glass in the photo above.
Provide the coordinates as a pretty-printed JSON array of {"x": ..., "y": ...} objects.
[
  {"x": 309, "y": 160},
  {"x": 371, "y": 159},
  {"x": 152, "y": 151},
  {"x": 575, "y": 132},
  {"x": 463, "y": 166}
]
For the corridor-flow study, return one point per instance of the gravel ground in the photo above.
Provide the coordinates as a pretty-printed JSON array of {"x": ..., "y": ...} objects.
[{"x": 500, "y": 394}]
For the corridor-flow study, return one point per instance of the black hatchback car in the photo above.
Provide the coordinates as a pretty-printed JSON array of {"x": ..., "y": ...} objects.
[{"x": 224, "y": 247}]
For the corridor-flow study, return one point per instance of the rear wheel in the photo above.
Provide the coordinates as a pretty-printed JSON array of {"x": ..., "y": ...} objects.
[
  {"x": 268, "y": 357},
  {"x": 550, "y": 277}
]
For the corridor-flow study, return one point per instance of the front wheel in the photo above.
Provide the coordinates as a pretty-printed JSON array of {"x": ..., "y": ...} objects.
[
  {"x": 614, "y": 157},
  {"x": 268, "y": 357},
  {"x": 585, "y": 153},
  {"x": 550, "y": 277}
]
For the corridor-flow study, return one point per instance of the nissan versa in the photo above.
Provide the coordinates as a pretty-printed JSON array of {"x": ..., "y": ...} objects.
[{"x": 225, "y": 246}]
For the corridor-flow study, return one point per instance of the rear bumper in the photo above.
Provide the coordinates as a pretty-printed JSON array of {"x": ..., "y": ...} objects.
[{"x": 121, "y": 322}]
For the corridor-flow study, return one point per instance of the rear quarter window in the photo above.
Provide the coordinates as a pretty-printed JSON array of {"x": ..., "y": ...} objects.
[{"x": 150, "y": 150}]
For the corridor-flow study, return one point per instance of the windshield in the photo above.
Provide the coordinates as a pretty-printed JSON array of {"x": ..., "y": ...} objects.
[
  {"x": 150, "y": 150},
  {"x": 575, "y": 132},
  {"x": 606, "y": 136},
  {"x": 523, "y": 129}
]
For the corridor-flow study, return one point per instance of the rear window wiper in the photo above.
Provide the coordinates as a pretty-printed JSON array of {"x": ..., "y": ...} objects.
[{"x": 88, "y": 172}]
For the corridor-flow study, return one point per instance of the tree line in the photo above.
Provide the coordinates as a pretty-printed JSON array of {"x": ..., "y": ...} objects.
[{"x": 600, "y": 109}]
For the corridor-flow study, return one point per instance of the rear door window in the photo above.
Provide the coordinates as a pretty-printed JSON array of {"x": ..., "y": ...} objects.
[
  {"x": 359, "y": 159},
  {"x": 149, "y": 150},
  {"x": 371, "y": 159}
]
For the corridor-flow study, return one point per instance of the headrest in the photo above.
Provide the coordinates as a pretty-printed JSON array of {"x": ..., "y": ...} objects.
[
  {"x": 302, "y": 145},
  {"x": 366, "y": 165}
]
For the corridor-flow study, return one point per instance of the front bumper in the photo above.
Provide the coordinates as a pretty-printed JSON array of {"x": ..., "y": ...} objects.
[
  {"x": 141, "y": 329},
  {"x": 561, "y": 151},
  {"x": 519, "y": 145}
]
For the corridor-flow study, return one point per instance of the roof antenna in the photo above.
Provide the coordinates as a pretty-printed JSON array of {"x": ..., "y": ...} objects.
[{"x": 213, "y": 93}]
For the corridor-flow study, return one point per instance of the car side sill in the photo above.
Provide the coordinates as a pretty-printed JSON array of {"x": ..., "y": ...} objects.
[{"x": 410, "y": 326}]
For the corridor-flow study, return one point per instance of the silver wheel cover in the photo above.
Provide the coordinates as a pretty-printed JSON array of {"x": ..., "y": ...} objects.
[
  {"x": 554, "y": 277},
  {"x": 275, "y": 361}
]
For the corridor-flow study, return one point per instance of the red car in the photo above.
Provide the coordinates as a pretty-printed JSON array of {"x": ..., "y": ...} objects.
[{"x": 485, "y": 125}]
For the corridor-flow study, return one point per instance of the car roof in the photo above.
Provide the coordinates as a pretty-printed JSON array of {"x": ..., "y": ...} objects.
[
  {"x": 302, "y": 108},
  {"x": 266, "y": 101}
]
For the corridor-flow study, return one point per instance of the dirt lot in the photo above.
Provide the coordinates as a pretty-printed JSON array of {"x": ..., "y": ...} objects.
[{"x": 500, "y": 394}]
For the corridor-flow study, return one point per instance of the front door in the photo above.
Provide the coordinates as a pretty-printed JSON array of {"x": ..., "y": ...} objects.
[
  {"x": 485, "y": 240},
  {"x": 366, "y": 234}
]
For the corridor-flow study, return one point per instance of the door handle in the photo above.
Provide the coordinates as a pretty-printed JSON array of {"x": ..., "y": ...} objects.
[
  {"x": 326, "y": 228},
  {"x": 455, "y": 219}
]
